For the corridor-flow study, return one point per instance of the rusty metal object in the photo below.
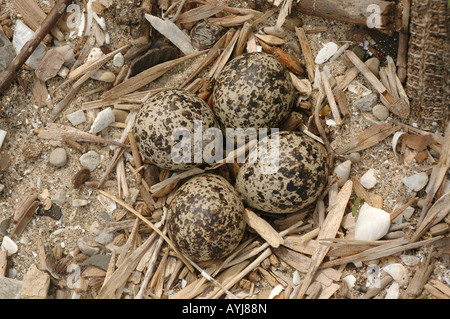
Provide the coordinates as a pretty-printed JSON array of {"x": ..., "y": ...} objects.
[{"x": 429, "y": 63}]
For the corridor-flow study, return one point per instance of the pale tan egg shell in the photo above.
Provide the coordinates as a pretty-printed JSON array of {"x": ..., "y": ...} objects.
[
  {"x": 206, "y": 218},
  {"x": 160, "y": 115},
  {"x": 253, "y": 90},
  {"x": 299, "y": 181}
]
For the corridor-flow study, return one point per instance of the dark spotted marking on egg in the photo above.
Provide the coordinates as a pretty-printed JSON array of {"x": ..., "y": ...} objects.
[
  {"x": 160, "y": 115},
  {"x": 299, "y": 181},
  {"x": 206, "y": 218},
  {"x": 253, "y": 90}
]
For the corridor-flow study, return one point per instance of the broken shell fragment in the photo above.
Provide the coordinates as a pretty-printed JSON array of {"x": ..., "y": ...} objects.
[
  {"x": 343, "y": 172},
  {"x": 102, "y": 121},
  {"x": 416, "y": 182},
  {"x": 372, "y": 223},
  {"x": 326, "y": 52},
  {"x": 398, "y": 272}
]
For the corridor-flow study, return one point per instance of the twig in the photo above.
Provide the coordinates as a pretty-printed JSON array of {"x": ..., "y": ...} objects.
[
  {"x": 328, "y": 230},
  {"x": 8, "y": 75}
]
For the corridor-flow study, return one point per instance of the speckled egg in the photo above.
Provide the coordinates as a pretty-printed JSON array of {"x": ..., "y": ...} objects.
[
  {"x": 253, "y": 90},
  {"x": 206, "y": 218},
  {"x": 160, "y": 117},
  {"x": 294, "y": 183}
]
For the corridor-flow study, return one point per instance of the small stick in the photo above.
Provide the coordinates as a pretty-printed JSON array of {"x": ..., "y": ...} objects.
[
  {"x": 394, "y": 214},
  {"x": 370, "y": 76},
  {"x": 306, "y": 48},
  {"x": 8, "y": 75},
  {"x": 330, "y": 97}
]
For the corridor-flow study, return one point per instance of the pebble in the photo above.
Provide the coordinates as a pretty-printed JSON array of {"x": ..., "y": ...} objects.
[
  {"x": 76, "y": 118},
  {"x": 102, "y": 121},
  {"x": 374, "y": 65},
  {"x": 367, "y": 103},
  {"x": 90, "y": 160},
  {"x": 9, "y": 245},
  {"x": 60, "y": 197},
  {"x": 355, "y": 157},
  {"x": 368, "y": 180},
  {"x": 94, "y": 55},
  {"x": 118, "y": 60},
  {"x": 7, "y": 53},
  {"x": 104, "y": 76},
  {"x": 10, "y": 288},
  {"x": 67, "y": 52},
  {"x": 2, "y": 187},
  {"x": 79, "y": 202},
  {"x": 58, "y": 157},
  {"x": 416, "y": 182},
  {"x": 4, "y": 225},
  {"x": 377, "y": 200},
  {"x": 380, "y": 112}
]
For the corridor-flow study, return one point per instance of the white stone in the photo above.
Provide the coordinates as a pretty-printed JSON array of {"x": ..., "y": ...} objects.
[
  {"x": 104, "y": 76},
  {"x": 79, "y": 202},
  {"x": 372, "y": 223},
  {"x": 76, "y": 117},
  {"x": 9, "y": 245},
  {"x": 416, "y": 182},
  {"x": 90, "y": 160},
  {"x": 118, "y": 60},
  {"x": 102, "y": 121},
  {"x": 63, "y": 72},
  {"x": 368, "y": 180},
  {"x": 94, "y": 55},
  {"x": 349, "y": 281},
  {"x": 410, "y": 260},
  {"x": 60, "y": 197}
]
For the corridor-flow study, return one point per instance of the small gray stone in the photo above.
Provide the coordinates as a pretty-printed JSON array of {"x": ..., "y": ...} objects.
[
  {"x": 7, "y": 53},
  {"x": 10, "y": 288},
  {"x": 104, "y": 237},
  {"x": 374, "y": 65},
  {"x": 380, "y": 112},
  {"x": 4, "y": 225},
  {"x": 58, "y": 157},
  {"x": 354, "y": 157},
  {"x": 79, "y": 202},
  {"x": 77, "y": 117},
  {"x": 90, "y": 160},
  {"x": 367, "y": 103},
  {"x": 60, "y": 197}
]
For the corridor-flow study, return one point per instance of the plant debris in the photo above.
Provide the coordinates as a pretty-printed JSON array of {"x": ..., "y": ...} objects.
[{"x": 70, "y": 231}]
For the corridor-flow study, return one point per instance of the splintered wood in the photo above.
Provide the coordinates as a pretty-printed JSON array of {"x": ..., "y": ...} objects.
[{"x": 295, "y": 256}]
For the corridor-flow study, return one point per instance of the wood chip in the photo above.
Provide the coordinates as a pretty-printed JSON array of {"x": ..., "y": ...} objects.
[
  {"x": 145, "y": 77},
  {"x": 328, "y": 230},
  {"x": 263, "y": 228}
]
